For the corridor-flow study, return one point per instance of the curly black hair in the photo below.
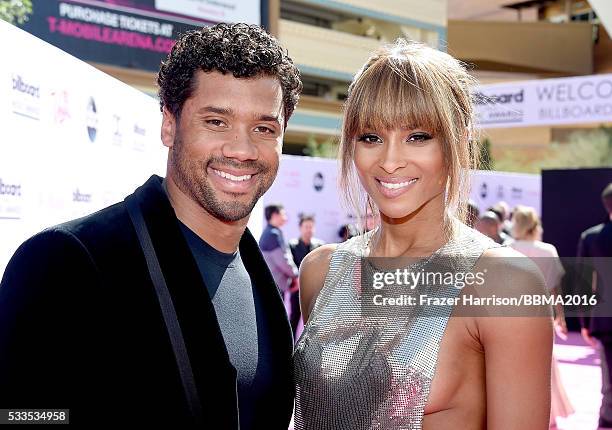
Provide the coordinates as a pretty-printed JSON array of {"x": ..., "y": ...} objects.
[{"x": 241, "y": 49}]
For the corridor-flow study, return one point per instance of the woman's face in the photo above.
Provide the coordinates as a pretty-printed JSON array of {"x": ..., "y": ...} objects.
[{"x": 401, "y": 169}]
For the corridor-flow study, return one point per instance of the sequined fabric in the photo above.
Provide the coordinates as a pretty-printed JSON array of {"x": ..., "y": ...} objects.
[{"x": 363, "y": 367}]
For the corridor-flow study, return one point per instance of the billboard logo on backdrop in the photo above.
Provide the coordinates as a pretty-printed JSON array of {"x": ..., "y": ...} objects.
[
  {"x": 499, "y": 107},
  {"x": 9, "y": 189},
  {"x": 516, "y": 193},
  {"x": 10, "y": 200},
  {"x": 80, "y": 197},
  {"x": 500, "y": 99},
  {"x": 25, "y": 98}
]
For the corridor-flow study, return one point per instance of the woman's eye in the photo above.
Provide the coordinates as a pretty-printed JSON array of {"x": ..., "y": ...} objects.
[
  {"x": 370, "y": 138},
  {"x": 419, "y": 137}
]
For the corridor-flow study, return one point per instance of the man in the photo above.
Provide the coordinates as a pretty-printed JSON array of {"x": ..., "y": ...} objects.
[
  {"x": 502, "y": 210},
  {"x": 299, "y": 248},
  {"x": 596, "y": 246},
  {"x": 275, "y": 250},
  {"x": 489, "y": 224},
  {"x": 86, "y": 322}
]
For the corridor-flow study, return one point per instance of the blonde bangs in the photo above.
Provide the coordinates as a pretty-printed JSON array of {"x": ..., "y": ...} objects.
[{"x": 386, "y": 97}]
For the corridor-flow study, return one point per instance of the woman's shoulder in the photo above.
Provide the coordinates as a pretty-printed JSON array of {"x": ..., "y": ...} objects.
[
  {"x": 535, "y": 248},
  {"x": 318, "y": 257},
  {"x": 511, "y": 271},
  {"x": 547, "y": 248}
]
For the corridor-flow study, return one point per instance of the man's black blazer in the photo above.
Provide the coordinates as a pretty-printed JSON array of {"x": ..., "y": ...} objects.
[
  {"x": 81, "y": 326},
  {"x": 596, "y": 246}
]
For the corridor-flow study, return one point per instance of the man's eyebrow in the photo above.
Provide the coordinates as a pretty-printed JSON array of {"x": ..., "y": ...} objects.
[
  {"x": 269, "y": 118},
  {"x": 216, "y": 109}
]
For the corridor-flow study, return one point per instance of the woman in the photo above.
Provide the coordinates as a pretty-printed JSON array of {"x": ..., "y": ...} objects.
[
  {"x": 527, "y": 232},
  {"x": 407, "y": 140}
]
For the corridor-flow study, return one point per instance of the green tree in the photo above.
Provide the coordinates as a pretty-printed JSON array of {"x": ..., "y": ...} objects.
[
  {"x": 591, "y": 148},
  {"x": 485, "y": 160},
  {"x": 15, "y": 11},
  {"x": 328, "y": 148}
]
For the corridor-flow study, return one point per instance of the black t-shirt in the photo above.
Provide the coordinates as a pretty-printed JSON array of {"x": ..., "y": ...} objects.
[{"x": 242, "y": 320}]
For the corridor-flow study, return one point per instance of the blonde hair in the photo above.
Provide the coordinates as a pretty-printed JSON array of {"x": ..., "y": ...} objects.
[
  {"x": 410, "y": 84},
  {"x": 525, "y": 222}
]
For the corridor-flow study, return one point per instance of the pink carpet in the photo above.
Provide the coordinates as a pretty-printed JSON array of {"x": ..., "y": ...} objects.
[{"x": 581, "y": 373}]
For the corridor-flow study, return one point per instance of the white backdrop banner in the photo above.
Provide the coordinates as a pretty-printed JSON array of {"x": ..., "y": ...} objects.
[
  {"x": 309, "y": 185},
  {"x": 583, "y": 99},
  {"x": 489, "y": 188},
  {"x": 74, "y": 139}
]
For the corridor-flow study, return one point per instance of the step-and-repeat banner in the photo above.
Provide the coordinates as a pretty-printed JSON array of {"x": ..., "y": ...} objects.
[
  {"x": 309, "y": 185},
  {"x": 582, "y": 99},
  {"x": 489, "y": 188},
  {"x": 74, "y": 140}
]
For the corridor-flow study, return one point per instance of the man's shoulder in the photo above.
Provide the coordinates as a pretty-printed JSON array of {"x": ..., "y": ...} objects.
[
  {"x": 98, "y": 223},
  {"x": 594, "y": 231},
  {"x": 317, "y": 242},
  {"x": 76, "y": 236},
  {"x": 271, "y": 238}
]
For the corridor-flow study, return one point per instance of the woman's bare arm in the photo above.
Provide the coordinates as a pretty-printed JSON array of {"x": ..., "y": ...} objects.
[
  {"x": 518, "y": 349},
  {"x": 313, "y": 271}
]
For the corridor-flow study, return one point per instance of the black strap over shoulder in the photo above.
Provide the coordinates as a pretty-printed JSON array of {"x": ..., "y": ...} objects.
[{"x": 167, "y": 307}]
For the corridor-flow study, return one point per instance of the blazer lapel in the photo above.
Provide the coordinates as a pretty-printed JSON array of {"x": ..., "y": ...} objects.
[{"x": 214, "y": 375}]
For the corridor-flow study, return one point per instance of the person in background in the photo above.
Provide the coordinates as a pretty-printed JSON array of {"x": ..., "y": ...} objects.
[
  {"x": 489, "y": 224},
  {"x": 346, "y": 232},
  {"x": 275, "y": 250},
  {"x": 504, "y": 214},
  {"x": 596, "y": 242},
  {"x": 527, "y": 231},
  {"x": 472, "y": 213},
  {"x": 300, "y": 247}
]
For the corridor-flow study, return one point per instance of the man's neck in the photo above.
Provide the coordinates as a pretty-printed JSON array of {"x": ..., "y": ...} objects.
[
  {"x": 224, "y": 236},
  {"x": 305, "y": 241}
]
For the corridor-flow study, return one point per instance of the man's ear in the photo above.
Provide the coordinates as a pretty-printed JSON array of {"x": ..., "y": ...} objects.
[{"x": 168, "y": 128}]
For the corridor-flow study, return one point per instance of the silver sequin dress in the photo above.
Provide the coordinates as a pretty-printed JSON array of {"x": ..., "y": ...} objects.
[{"x": 359, "y": 366}]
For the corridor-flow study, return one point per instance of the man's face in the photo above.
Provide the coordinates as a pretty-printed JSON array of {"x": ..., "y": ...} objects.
[
  {"x": 488, "y": 227},
  {"x": 279, "y": 218},
  {"x": 226, "y": 144},
  {"x": 307, "y": 230}
]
